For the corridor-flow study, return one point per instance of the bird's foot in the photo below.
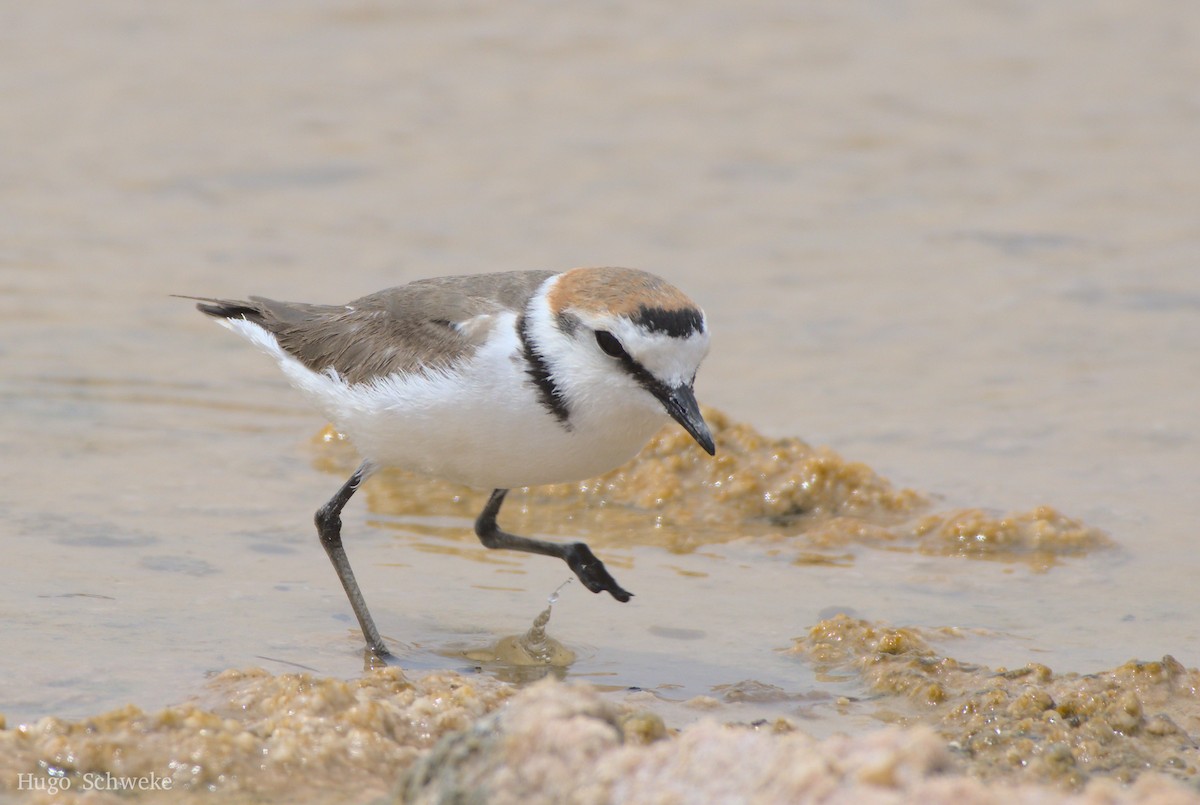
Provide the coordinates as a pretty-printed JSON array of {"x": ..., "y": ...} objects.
[{"x": 592, "y": 573}]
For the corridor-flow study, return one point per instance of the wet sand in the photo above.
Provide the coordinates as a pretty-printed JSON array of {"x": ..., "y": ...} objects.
[{"x": 947, "y": 254}]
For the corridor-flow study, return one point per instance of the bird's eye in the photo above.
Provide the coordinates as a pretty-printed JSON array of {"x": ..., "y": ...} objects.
[{"x": 609, "y": 343}]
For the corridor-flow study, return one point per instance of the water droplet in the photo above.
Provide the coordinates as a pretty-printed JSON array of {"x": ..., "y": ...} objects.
[{"x": 553, "y": 599}]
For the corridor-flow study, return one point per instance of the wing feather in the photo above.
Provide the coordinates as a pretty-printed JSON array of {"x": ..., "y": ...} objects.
[{"x": 425, "y": 325}]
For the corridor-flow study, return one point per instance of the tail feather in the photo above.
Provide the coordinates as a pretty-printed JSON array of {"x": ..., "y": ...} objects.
[
  {"x": 230, "y": 310},
  {"x": 227, "y": 308}
]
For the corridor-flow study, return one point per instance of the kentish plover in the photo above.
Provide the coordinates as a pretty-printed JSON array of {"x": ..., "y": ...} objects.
[{"x": 494, "y": 381}]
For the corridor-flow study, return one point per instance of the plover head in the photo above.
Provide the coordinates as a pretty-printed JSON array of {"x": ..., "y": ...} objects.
[{"x": 620, "y": 328}]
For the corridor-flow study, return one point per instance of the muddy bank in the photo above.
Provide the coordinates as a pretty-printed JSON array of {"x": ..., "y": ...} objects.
[
  {"x": 564, "y": 744},
  {"x": 256, "y": 736},
  {"x": 447, "y": 738},
  {"x": 1028, "y": 723}
]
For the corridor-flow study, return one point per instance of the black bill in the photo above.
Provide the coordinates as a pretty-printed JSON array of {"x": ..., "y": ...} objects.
[{"x": 681, "y": 404}]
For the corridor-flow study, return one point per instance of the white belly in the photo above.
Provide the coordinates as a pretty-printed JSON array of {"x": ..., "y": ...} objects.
[
  {"x": 493, "y": 434},
  {"x": 484, "y": 427}
]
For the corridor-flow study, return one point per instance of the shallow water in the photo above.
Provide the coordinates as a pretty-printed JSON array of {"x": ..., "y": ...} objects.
[{"x": 955, "y": 242}]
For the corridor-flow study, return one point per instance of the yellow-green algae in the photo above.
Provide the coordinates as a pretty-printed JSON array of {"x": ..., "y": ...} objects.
[
  {"x": 751, "y": 478},
  {"x": 260, "y": 735},
  {"x": 675, "y": 496},
  {"x": 449, "y": 738},
  {"x": 1026, "y": 723},
  {"x": 1040, "y": 535}
]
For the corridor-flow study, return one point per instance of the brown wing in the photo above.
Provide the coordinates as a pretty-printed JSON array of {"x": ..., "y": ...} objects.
[{"x": 407, "y": 328}]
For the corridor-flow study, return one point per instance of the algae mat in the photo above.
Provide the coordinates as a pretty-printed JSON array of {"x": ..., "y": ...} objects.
[{"x": 448, "y": 737}]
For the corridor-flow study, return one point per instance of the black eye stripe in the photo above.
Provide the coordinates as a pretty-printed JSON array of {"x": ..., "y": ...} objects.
[{"x": 611, "y": 346}]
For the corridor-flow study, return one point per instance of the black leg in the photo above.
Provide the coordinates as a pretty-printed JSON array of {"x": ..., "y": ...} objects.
[
  {"x": 579, "y": 557},
  {"x": 329, "y": 527}
]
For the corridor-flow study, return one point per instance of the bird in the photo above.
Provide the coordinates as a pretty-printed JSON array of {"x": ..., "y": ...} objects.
[{"x": 495, "y": 381}]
